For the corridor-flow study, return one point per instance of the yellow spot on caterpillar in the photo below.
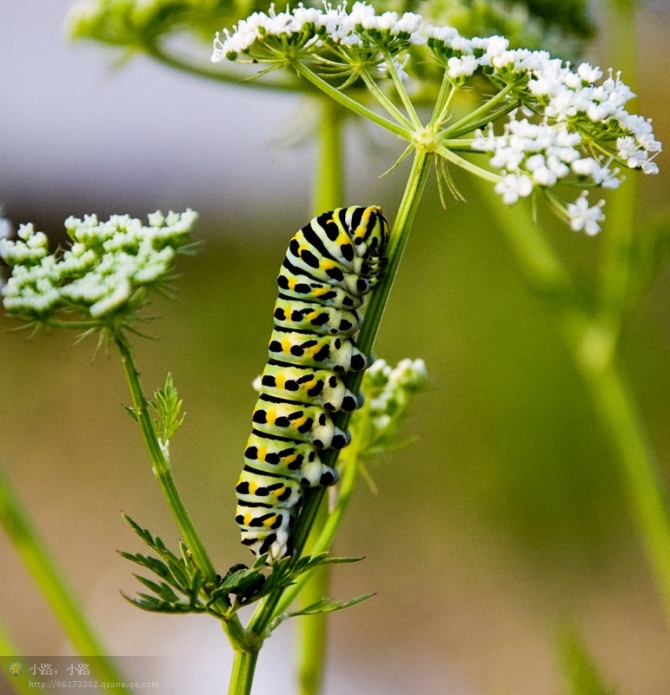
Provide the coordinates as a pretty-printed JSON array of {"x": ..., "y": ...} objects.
[{"x": 270, "y": 521}]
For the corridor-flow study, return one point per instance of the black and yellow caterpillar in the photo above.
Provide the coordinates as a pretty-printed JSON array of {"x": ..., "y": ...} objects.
[{"x": 331, "y": 264}]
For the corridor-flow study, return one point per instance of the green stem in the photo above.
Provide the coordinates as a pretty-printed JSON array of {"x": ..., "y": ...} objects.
[
  {"x": 51, "y": 584},
  {"x": 242, "y": 676},
  {"x": 326, "y": 533},
  {"x": 217, "y": 75},
  {"x": 19, "y": 685},
  {"x": 350, "y": 103},
  {"x": 442, "y": 103},
  {"x": 481, "y": 115},
  {"x": 312, "y": 629},
  {"x": 161, "y": 468},
  {"x": 402, "y": 93},
  {"x": 328, "y": 182},
  {"x": 646, "y": 499},
  {"x": 452, "y": 157},
  {"x": 384, "y": 101}
]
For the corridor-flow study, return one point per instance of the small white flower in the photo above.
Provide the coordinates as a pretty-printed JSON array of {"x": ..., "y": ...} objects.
[
  {"x": 462, "y": 67},
  {"x": 585, "y": 218},
  {"x": 513, "y": 187},
  {"x": 588, "y": 73}
]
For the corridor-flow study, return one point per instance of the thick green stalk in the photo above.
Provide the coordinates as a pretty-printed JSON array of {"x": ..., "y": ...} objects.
[
  {"x": 348, "y": 464},
  {"x": 312, "y": 629},
  {"x": 327, "y": 193},
  {"x": 53, "y": 587},
  {"x": 242, "y": 676},
  {"x": 647, "y": 500},
  {"x": 161, "y": 468}
]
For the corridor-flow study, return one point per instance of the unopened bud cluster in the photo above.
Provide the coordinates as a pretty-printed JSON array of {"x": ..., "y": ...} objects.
[{"x": 388, "y": 392}]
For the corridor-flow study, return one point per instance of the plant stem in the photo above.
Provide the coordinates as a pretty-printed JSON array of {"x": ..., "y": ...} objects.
[
  {"x": 161, "y": 468},
  {"x": 482, "y": 115},
  {"x": 328, "y": 175},
  {"x": 349, "y": 103},
  {"x": 242, "y": 676},
  {"x": 326, "y": 533},
  {"x": 57, "y": 594},
  {"x": 312, "y": 629},
  {"x": 218, "y": 75},
  {"x": 642, "y": 485}
]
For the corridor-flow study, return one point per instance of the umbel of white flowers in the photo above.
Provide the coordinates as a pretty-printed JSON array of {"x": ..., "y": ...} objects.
[
  {"x": 560, "y": 124},
  {"x": 102, "y": 275}
]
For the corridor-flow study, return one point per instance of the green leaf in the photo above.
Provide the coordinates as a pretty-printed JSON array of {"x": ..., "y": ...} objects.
[
  {"x": 325, "y": 605},
  {"x": 151, "y": 563},
  {"x": 168, "y": 405},
  {"x": 154, "y": 605},
  {"x": 181, "y": 583},
  {"x": 131, "y": 411},
  {"x": 579, "y": 668},
  {"x": 245, "y": 583},
  {"x": 328, "y": 605}
]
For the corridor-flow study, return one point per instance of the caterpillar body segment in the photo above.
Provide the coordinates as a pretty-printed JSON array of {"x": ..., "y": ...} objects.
[
  {"x": 297, "y": 421},
  {"x": 318, "y": 318},
  {"x": 298, "y": 461},
  {"x": 305, "y": 385},
  {"x": 336, "y": 353},
  {"x": 330, "y": 267}
]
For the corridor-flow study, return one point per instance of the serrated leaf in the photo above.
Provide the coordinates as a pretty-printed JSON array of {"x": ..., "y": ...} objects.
[
  {"x": 176, "y": 575},
  {"x": 323, "y": 606},
  {"x": 342, "y": 560},
  {"x": 151, "y": 563},
  {"x": 154, "y": 605},
  {"x": 167, "y": 406},
  {"x": 327, "y": 605},
  {"x": 161, "y": 590}
]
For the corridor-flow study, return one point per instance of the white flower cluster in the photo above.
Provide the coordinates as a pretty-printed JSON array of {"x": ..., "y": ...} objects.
[
  {"x": 575, "y": 127},
  {"x": 539, "y": 154},
  {"x": 387, "y": 391},
  {"x": 306, "y": 27},
  {"x": 101, "y": 272}
]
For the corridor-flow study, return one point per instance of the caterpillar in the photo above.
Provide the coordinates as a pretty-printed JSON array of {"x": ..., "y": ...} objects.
[{"x": 330, "y": 266}]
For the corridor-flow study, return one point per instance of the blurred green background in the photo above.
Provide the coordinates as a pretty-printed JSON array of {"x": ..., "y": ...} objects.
[{"x": 504, "y": 523}]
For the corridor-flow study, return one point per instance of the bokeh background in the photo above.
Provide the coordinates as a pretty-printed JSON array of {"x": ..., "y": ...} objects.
[{"x": 506, "y": 521}]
